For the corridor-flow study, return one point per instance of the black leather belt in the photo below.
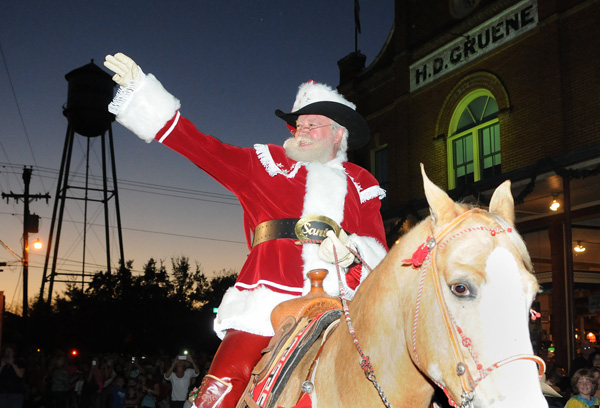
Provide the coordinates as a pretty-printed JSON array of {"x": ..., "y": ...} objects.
[{"x": 312, "y": 228}]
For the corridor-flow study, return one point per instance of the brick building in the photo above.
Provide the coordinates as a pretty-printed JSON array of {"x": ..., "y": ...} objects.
[{"x": 484, "y": 91}]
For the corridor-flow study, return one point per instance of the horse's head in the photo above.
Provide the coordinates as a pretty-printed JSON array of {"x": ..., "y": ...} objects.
[{"x": 470, "y": 329}]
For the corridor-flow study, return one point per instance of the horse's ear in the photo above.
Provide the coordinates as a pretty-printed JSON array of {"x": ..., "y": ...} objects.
[
  {"x": 502, "y": 203},
  {"x": 443, "y": 209}
]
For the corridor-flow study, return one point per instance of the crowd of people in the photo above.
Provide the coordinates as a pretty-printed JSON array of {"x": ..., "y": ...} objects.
[
  {"x": 108, "y": 380},
  {"x": 113, "y": 380},
  {"x": 580, "y": 388}
]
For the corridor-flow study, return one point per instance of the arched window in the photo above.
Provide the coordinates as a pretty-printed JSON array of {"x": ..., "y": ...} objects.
[{"x": 474, "y": 141}]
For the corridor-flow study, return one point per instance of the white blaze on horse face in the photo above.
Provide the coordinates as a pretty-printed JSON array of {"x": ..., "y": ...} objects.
[
  {"x": 504, "y": 302},
  {"x": 503, "y": 306}
]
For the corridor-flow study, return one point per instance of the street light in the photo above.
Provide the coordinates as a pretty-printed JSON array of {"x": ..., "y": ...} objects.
[
  {"x": 37, "y": 244},
  {"x": 555, "y": 204},
  {"x": 579, "y": 248}
]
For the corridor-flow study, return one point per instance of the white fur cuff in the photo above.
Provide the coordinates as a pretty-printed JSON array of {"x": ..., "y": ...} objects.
[{"x": 144, "y": 107}]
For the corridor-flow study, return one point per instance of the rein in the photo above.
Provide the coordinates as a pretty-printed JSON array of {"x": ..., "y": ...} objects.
[
  {"x": 365, "y": 363},
  {"x": 424, "y": 256}
]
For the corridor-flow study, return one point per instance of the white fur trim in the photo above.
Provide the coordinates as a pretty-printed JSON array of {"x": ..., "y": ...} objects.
[
  {"x": 248, "y": 310},
  {"x": 311, "y": 92},
  {"x": 262, "y": 282},
  {"x": 144, "y": 107},
  {"x": 124, "y": 93},
  {"x": 274, "y": 169},
  {"x": 326, "y": 189},
  {"x": 371, "y": 193}
]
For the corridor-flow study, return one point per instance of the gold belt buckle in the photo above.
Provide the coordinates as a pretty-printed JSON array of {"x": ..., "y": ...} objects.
[{"x": 314, "y": 228}]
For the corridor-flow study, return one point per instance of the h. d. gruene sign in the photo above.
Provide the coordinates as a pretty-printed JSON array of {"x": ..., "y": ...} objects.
[{"x": 495, "y": 32}]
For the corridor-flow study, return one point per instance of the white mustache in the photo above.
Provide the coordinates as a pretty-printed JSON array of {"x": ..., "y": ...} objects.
[{"x": 302, "y": 140}]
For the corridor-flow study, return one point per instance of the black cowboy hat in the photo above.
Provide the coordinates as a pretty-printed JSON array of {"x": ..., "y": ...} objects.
[{"x": 358, "y": 129}]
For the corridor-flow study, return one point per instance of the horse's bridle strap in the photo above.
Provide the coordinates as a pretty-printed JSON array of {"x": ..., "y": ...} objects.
[
  {"x": 466, "y": 379},
  {"x": 538, "y": 360}
]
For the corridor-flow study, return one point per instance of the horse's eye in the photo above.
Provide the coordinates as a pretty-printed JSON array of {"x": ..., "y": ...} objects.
[{"x": 460, "y": 289}]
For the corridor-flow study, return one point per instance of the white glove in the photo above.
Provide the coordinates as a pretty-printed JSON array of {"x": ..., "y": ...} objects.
[
  {"x": 125, "y": 69},
  {"x": 344, "y": 256}
]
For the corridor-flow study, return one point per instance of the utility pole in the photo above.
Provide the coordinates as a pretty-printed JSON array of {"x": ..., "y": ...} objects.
[{"x": 31, "y": 224}]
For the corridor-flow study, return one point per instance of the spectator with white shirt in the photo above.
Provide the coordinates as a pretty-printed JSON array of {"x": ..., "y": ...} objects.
[{"x": 180, "y": 374}]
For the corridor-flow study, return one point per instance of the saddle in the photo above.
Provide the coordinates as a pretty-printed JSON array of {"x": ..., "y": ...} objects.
[{"x": 298, "y": 324}]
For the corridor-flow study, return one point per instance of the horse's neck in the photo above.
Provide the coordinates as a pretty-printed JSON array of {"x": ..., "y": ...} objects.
[{"x": 381, "y": 315}]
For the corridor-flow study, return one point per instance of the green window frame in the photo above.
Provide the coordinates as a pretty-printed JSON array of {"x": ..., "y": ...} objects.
[{"x": 474, "y": 140}]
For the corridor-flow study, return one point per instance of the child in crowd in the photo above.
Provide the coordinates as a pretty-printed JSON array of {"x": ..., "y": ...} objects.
[{"x": 583, "y": 389}]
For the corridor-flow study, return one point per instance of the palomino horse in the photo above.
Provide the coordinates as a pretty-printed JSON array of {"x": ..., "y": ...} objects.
[{"x": 453, "y": 314}]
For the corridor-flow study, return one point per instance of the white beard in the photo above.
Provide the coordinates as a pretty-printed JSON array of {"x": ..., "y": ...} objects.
[{"x": 319, "y": 151}]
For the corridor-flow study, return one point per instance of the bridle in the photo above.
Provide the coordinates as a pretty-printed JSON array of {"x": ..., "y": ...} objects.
[{"x": 422, "y": 258}]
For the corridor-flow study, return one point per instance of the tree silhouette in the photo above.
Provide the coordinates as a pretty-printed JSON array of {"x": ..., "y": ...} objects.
[{"x": 123, "y": 312}]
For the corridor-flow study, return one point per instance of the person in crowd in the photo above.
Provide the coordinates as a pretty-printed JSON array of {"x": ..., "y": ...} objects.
[
  {"x": 181, "y": 373},
  {"x": 60, "y": 381},
  {"x": 594, "y": 359},
  {"x": 36, "y": 373},
  {"x": 110, "y": 374},
  {"x": 133, "y": 367},
  {"x": 596, "y": 372},
  {"x": 583, "y": 358},
  {"x": 557, "y": 379},
  {"x": 94, "y": 384},
  {"x": 118, "y": 391},
  {"x": 150, "y": 388},
  {"x": 553, "y": 397},
  {"x": 583, "y": 389},
  {"x": 12, "y": 371},
  {"x": 132, "y": 394},
  {"x": 283, "y": 189}
]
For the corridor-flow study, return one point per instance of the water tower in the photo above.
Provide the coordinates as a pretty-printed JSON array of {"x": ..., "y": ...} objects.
[{"x": 89, "y": 93}]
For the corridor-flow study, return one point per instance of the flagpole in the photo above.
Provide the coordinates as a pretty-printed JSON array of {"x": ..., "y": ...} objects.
[{"x": 356, "y": 24}]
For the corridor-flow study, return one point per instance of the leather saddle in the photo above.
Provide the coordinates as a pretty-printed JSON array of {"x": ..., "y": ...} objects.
[{"x": 298, "y": 324}]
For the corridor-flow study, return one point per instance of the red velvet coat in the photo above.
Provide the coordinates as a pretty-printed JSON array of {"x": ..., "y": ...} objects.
[{"x": 269, "y": 185}]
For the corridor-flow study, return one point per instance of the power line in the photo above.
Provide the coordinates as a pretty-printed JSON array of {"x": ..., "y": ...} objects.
[
  {"x": 12, "y": 88},
  {"x": 172, "y": 234},
  {"x": 142, "y": 187}
]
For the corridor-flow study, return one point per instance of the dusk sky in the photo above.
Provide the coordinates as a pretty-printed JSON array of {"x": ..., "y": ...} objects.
[{"x": 231, "y": 63}]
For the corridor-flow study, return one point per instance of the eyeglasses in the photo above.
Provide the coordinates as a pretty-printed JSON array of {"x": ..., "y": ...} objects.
[{"x": 309, "y": 128}]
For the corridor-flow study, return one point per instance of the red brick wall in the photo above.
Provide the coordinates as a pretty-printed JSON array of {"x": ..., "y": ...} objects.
[{"x": 546, "y": 82}]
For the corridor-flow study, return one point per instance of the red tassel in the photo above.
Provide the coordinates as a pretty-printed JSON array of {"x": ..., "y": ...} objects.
[{"x": 419, "y": 256}]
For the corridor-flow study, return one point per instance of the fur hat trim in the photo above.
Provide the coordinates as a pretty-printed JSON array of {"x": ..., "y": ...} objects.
[{"x": 320, "y": 99}]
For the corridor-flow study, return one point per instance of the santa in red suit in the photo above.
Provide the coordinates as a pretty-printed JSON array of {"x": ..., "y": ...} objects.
[{"x": 284, "y": 192}]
